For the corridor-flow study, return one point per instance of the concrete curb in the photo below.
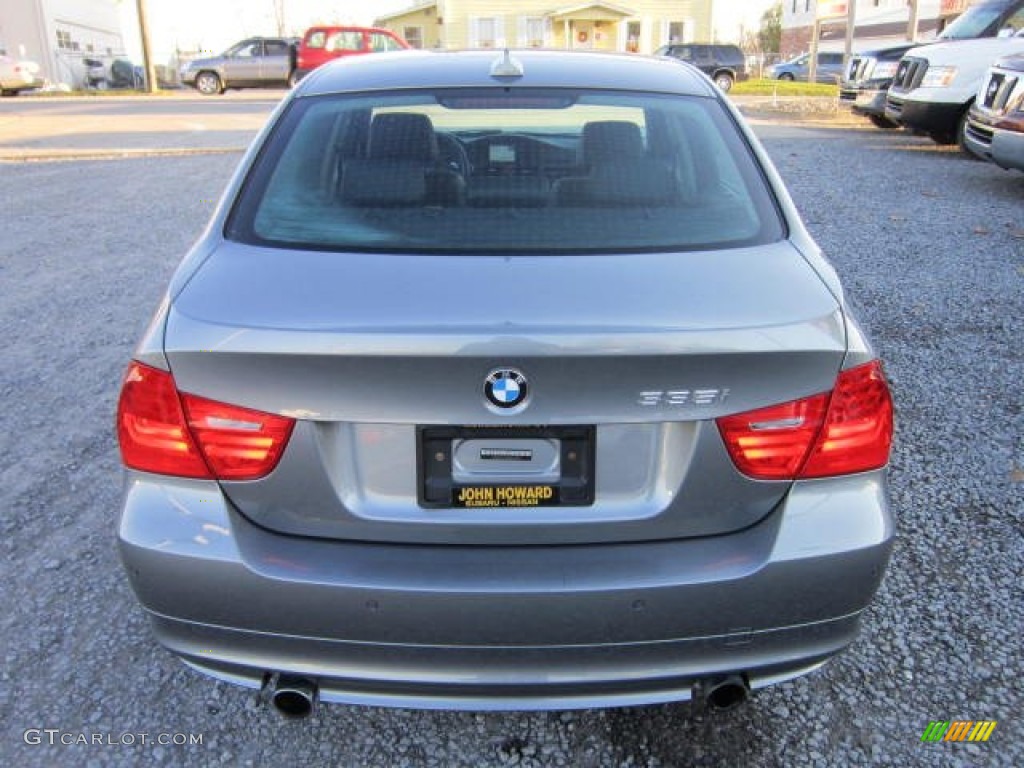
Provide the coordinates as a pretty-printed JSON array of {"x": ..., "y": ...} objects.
[{"x": 57, "y": 155}]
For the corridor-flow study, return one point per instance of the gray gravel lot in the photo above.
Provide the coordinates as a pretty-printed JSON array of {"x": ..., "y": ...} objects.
[{"x": 929, "y": 243}]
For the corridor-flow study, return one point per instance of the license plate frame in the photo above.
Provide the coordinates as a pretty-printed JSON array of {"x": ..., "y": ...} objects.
[{"x": 437, "y": 489}]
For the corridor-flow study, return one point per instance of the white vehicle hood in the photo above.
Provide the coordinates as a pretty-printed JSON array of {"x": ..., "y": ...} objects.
[{"x": 965, "y": 52}]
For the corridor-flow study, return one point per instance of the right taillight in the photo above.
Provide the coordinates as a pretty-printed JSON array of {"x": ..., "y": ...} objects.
[
  {"x": 857, "y": 432},
  {"x": 162, "y": 431},
  {"x": 848, "y": 430}
]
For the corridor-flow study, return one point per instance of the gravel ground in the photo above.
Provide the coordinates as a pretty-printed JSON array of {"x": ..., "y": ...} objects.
[{"x": 930, "y": 244}]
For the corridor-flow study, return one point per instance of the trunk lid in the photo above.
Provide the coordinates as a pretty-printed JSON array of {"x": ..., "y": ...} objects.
[{"x": 368, "y": 350}]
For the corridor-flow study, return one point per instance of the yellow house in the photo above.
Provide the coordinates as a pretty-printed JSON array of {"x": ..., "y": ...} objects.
[{"x": 639, "y": 26}]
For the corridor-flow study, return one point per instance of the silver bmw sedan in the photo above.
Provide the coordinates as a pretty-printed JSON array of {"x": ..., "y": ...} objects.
[{"x": 505, "y": 380}]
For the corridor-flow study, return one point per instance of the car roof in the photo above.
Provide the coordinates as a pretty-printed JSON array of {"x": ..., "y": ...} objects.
[
  {"x": 346, "y": 28},
  {"x": 540, "y": 69}
]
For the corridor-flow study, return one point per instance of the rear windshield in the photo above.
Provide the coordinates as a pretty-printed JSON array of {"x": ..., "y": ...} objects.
[{"x": 505, "y": 170}]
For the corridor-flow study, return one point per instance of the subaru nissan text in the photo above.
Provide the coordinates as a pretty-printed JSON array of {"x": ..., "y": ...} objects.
[{"x": 505, "y": 381}]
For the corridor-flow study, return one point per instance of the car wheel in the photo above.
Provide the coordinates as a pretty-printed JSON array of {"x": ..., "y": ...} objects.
[
  {"x": 786, "y": 76},
  {"x": 724, "y": 81},
  {"x": 208, "y": 84},
  {"x": 961, "y": 134},
  {"x": 880, "y": 121}
]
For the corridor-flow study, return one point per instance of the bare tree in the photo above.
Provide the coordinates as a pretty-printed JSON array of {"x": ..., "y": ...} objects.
[{"x": 769, "y": 36}]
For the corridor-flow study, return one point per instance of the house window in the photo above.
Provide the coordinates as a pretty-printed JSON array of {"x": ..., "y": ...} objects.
[
  {"x": 531, "y": 32},
  {"x": 675, "y": 31},
  {"x": 64, "y": 40},
  {"x": 486, "y": 32},
  {"x": 633, "y": 36},
  {"x": 413, "y": 36}
]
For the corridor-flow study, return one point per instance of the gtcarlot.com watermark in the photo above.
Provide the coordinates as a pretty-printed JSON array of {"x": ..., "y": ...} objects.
[{"x": 57, "y": 737}]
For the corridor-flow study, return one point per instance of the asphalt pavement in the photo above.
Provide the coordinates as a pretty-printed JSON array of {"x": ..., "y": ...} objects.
[{"x": 177, "y": 123}]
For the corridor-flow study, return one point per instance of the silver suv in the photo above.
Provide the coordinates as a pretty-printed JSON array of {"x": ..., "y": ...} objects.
[
  {"x": 505, "y": 381},
  {"x": 258, "y": 62}
]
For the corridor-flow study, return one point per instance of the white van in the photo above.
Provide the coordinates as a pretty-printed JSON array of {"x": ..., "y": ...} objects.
[{"x": 935, "y": 85}]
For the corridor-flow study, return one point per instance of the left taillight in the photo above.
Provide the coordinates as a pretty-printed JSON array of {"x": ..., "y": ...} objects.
[{"x": 162, "y": 431}]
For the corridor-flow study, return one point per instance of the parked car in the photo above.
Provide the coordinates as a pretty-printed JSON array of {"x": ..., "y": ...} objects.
[
  {"x": 935, "y": 85},
  {"x": 866, "y": 82},
  {"x": 725, "y": 64},
  {"x": 17, "y": 75},
  {"x": 867, "y": 79},
  {"x": 322, "y": 44},
  {"x": 995, "y": 123},
  {"x": 257, "y": 62},
  {"x": 465, "y": 399},
  {"x": 829, "y": 69}
]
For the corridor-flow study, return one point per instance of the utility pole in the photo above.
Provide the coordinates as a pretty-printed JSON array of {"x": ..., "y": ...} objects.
[
  {"x": 279, "y": 19},
  {"x": 812, "y": 63},
  {"x": 147, "y": 58},
  {"x": 851, "y": 23},
  {"x": 912, "y": 22}
]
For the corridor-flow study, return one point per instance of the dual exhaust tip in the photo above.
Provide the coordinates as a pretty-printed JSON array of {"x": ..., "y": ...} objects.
[{"x": 296, "y": 697}]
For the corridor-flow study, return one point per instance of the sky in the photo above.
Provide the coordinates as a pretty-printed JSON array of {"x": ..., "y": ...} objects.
[{"x": 213, "y": 25}]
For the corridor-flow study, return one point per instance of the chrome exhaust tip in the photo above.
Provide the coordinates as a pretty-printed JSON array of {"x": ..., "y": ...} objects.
[
  {"x": 294, "y": 697},
  {"x": 725, "y": 693}
]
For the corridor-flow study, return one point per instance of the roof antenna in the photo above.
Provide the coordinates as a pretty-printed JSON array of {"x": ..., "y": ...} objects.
[{"x": 506, "y": 66}]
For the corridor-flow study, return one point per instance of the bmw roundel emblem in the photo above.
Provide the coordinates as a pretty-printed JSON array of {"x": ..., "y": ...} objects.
[{"x": 506, "y": 388}]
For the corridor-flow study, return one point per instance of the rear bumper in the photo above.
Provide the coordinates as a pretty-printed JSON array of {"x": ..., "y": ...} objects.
[{"x": 506, "y": 628}]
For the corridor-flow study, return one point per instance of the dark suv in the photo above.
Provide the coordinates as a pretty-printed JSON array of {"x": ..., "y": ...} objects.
[{"x": 722, "y": 63}]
